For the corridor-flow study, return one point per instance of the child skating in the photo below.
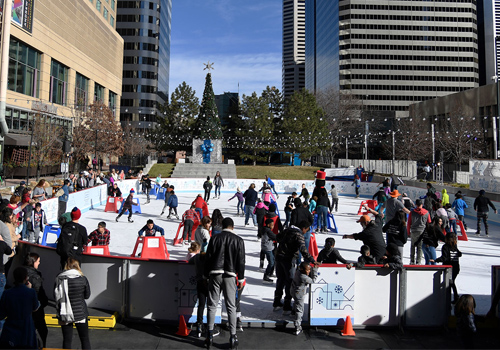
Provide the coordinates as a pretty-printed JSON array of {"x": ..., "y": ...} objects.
[{"x": 301, "y": 280}]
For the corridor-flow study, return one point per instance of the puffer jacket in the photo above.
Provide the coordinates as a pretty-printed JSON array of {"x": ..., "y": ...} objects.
[{"x": 226, "y": 254}]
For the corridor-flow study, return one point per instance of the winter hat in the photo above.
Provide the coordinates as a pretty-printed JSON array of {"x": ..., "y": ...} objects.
[
  {"x": 320, "y": 175},
  {"x": 365, "y": 219},
  {"x": 75, "y": 214},
  {"x": 395, "y": 194},
  {"x": 132, "y": 191},
  {"x": 22, "y": 183}
]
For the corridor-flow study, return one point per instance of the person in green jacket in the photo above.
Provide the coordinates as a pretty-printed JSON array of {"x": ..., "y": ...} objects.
[{"x": 445, "y": 198}]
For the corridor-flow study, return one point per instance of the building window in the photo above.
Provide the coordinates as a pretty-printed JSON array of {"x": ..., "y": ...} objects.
[
  {"x": 24, "y": 69},
  {"x": 112, "y": 102},
  {"x": 112, "y": 21},
  {"x": 105, "y": 13},
  {"x": 113, "y": 5},
  {"x": 98, "y": 5},
  {"x": 98, "y": 93},
  {"x": 81, "y": 91},
  {"x": 58, "y": 83},
  {"x": 92, "y": 1}
]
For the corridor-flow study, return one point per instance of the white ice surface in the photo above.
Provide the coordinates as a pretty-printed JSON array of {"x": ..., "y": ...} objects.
[{"x": 479, "y": 253}]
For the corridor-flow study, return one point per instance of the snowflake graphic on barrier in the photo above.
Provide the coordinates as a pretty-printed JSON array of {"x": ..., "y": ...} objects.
[
  {"x": 192, "y": 280},
  {"x": 339, "y": 289},
  {"x": 319, "y": 300}
]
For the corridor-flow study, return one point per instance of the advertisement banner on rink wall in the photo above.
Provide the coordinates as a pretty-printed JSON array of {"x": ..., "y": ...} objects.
[
  {"x": 22, "y": 13},
  {"x": 484, "y": 175}
]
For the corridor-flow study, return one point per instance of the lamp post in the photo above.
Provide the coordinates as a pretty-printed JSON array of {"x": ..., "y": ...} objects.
[{"x": 32, "y": 123}]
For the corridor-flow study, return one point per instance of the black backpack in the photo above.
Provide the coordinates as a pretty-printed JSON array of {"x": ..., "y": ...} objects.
[{"x": 67, "y": 241}]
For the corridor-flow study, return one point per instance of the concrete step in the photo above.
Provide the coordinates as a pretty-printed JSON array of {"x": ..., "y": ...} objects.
[{"x": 194, "y": 170}]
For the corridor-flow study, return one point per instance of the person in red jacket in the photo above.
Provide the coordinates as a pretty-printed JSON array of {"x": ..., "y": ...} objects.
[{"x": 200, "y": 206}]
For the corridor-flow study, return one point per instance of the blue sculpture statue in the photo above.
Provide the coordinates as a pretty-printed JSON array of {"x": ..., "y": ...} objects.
[{"x": 207, "y": 148}]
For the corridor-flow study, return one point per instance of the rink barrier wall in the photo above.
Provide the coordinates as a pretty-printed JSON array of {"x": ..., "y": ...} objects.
[
  {"x": 147, "y": 289},
  {"x": 495, "y": 284},
  {"x": 96, "y": 196}
]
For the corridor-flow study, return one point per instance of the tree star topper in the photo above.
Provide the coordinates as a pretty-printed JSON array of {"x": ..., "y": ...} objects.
[{"x": 209, "y": 66}]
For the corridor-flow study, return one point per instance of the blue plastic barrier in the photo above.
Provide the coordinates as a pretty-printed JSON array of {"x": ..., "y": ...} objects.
[
  {"x": 153, "y": 190},
  {"x": 136, "y": 206},
  {"x": 161, "y": 193},
  {"x": 330, "y": 222},
  {"x": 52, "y": 229}
]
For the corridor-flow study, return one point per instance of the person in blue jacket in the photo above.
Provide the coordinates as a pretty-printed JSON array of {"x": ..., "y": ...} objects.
[
  {"x": 172, "y": 203},
  {"x": 150, "y": 229},
  {"x": 459, "y": 206},
  {"x": 271, "y": 184},
  {"x": 63, "y": 200}
]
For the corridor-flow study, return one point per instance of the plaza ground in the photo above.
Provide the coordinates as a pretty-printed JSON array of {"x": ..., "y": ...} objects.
[{"x": 479, "y": 253}]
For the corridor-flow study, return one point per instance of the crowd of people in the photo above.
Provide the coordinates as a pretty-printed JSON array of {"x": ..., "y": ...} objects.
[{"x": 218, "y": 253}]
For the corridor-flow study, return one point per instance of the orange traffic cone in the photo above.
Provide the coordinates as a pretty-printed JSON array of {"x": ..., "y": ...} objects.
[
  {"x": 183, "y": 330},
  {"x": 348, "y": 327}
]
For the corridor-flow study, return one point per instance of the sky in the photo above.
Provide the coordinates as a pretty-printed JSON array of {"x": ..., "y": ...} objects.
[{"x": 241, "y": 37}]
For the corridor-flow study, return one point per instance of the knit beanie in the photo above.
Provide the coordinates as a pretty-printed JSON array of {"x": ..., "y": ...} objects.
[{"x": 75, "y": 214}]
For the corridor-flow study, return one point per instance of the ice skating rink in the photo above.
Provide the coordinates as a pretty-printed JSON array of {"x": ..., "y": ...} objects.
[{"x": 479, "y": 253}]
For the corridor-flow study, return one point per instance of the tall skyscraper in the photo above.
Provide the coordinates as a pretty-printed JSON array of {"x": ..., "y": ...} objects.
[
  {"x": 488, "y": 22},
  {"x": 145, "y": 27},
  {"x": 294, "y": 41},
  {"x": 392, "y": 53}
]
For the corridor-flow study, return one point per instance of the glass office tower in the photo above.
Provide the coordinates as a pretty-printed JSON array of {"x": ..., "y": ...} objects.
[
  {"x": 392, "y": 53},
  {"x": 145, "y": 27}
]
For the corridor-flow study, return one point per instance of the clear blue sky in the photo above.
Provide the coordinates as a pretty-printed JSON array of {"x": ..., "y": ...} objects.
[{"x": 241, "y": 37}]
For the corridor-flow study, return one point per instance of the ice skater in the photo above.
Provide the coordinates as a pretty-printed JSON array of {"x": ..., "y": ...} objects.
[{"x": 127, "y": 206}]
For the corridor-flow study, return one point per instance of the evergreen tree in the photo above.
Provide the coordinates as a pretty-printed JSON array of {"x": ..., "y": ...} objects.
[
  {"x": 175, "y": 126},
  {"x": 208, "y": 126},
  {"x": 304, "y": 125},
  {"x": 256, "y": 131}
]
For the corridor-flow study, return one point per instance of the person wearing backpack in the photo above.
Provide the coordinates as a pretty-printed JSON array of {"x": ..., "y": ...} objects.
[{"x": 72, "y": 239}]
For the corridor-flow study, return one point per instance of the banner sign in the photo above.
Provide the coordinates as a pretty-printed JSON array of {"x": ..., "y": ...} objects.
[{"x": 22, "y": 13}]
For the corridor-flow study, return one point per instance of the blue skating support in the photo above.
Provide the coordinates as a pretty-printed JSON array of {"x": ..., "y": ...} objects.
[
  {"x": 331, "y": 220},
  {"x": 161, "y": 193},
  {"x": 52, "y": 229},
  {"x": 136, "y": 206}
]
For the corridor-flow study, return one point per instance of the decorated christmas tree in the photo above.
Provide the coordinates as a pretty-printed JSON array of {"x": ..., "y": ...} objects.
[{"x": 208, "y": 125}]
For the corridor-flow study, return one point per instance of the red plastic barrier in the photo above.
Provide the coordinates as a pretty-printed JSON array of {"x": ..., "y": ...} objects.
[
  {"x": 178, "y": 240},
  {"x": 372, "y": 204},
  {"x": 112, "y": 204},
  {"x": 97, "y": 249},
  {"x": 153, "y": 247},
  {"x": 463, "y": 236},
  {"x": 313, "y": 246}
]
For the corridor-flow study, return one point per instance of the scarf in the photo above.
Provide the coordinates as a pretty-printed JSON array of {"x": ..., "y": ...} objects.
[{"x": 63, "y": 306}]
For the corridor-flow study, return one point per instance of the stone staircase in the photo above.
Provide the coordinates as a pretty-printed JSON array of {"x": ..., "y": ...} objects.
[{"x": 195, "y": 170}]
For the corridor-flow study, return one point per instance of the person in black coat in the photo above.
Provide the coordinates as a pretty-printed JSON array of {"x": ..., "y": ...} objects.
[
  {"x": 31, "y": 262},
  {"x": 481, "y": 204},
  {"x": 300, "y": 213},
  {"x": 396, "y": 231},
  {"x": 74, "y": 284},
  {"x": 430, "y": 239},
  {"x": 329, "y": 254},
  {"x": 371, "y": 234},
  {"x": 250, "y": 196}
]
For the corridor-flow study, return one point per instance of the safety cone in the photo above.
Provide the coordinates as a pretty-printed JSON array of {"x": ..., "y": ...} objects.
[
  {"x": 348, "y": 327},
  {"x": 183, "y": 330}
]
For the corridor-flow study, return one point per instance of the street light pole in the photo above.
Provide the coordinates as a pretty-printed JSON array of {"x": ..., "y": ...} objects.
[
  {"x": 433, "y": 150},
  {"x": 29, "y": 154},
  {"x": 393, "y": 153}
]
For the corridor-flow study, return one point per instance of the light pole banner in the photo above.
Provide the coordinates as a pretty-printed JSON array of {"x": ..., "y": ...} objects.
[{"x": 22, "y": 13}]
